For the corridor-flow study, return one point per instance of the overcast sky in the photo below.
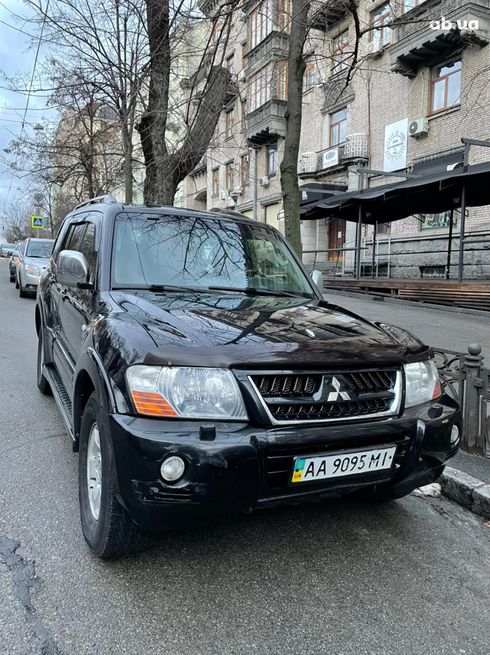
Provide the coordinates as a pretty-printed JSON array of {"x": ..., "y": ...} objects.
[{"x": 17, "y": 54}]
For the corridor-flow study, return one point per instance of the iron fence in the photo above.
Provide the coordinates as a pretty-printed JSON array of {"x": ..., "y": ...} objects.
[{"x": 466, "y": 380}]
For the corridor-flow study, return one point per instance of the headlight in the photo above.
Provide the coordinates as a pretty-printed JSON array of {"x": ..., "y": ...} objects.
[
  {"x": 184, "y": 392},
  {"x": 422, "y": 383},
  {"x": 32, "y": 270}
]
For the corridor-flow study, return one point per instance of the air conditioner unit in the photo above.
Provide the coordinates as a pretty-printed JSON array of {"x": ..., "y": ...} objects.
[
  {"x": 375, "y": 48},
  {"x": 223, "y": 195},
  {"x": 237, "y": 191},
  {"x": 330, "y": 158},
  {"x": 264, "y": 181},
  {"x": 307, "y": 162},
  {"x": 418, "y": 127}
]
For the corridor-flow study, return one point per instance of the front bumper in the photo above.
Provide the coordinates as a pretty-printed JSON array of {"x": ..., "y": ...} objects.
[
  {"x": 30, "y": 282},
  {"x": 245, "y": 468}
]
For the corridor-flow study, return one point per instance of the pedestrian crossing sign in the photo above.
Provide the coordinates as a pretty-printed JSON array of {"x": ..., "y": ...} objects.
[{"x": 38, "y": 222}]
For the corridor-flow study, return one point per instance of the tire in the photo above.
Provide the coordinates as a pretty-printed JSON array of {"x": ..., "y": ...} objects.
[
  {"x": 110, "y": 532},
  {"x": 42, "y": 383},
  {"x": 12, "y": 278},
  {"x": 22, "y": 293}
]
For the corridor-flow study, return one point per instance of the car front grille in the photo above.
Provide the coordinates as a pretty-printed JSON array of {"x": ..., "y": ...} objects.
[{"x": 328, "y": 396}]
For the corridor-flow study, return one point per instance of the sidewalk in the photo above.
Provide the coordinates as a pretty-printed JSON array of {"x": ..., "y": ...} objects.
[{"x": 467, "y": 481}]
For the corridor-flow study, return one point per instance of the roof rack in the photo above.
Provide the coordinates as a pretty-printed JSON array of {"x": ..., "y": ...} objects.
[{"x": 108, "y": 198}]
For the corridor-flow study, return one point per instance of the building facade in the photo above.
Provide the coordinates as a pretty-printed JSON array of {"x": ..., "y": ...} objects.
[{"x": 396, "y": 100}]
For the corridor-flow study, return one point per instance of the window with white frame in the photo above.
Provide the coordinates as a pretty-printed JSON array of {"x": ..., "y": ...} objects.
[
  {"x": 380, "y": 19},
  {"x": 340, "y": 53},
  {"x": 407, "y": 5}
]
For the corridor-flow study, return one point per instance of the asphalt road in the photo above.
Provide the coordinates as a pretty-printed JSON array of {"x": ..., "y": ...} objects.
[{"x": 409, "y": 578}]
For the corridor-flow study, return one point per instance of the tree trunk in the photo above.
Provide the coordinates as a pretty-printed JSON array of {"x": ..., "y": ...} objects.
[
  {"x": 164, "y": 170},
  {"x": 128, "y": 165},
  {"x": 289, "y": 164}
]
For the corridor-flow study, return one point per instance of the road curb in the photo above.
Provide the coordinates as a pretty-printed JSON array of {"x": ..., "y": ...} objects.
[{"x": 466, "y": 490}]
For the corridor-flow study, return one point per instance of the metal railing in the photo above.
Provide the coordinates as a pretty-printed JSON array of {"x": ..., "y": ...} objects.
[
  {"x": 379, "y": 259},
  {"x": 465, "y": 379}
]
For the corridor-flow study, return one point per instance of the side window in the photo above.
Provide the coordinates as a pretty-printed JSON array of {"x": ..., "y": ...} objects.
[
  {"x": 75, "y": 236},
  {"x": 87, "y": 247}
]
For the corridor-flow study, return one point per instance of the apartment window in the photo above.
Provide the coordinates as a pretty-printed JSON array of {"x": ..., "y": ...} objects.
[
  {"x": 272, "y": 161},
  {"x": 430, "y": 221},
  {"x": 229, "y": 176},
  {"x": 284, "y": 15},
  {"x": 340, "y": 53},
  {"x": 230, "y": 122},
  {"x": 338, "y": 127},
  {"x": 215, "y": 181},
  {"x": 260, "y": 22},
  {"x": 445, "y": 86},
  {"x": 310, "y": 77},
  {"x": 230, "y": 63},
  {"x": 407, "y": 5},
  {"x": 380, "y": 18},
  {"x": 245, "y": 169},
  {"x": 282, "y": 80}
]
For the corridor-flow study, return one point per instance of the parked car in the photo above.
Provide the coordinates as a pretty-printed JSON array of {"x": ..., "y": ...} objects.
[
  {"x": 6, "y": 249},
  {"x": 199, "y": 370},
  {"x": 32, "y": 260},
  {"x": 13, "y": 263}
]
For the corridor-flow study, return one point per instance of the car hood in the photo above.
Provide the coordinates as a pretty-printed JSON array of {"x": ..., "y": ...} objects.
[
  {"x": 40, "y": 262},
  {"x": 241, "y": 331}
]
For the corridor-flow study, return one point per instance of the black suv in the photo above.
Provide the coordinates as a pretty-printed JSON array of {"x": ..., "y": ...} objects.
[{"x": 199, "y": 370}]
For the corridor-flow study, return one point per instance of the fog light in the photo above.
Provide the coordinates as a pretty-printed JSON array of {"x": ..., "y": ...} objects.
[
  {"x": 172, "y": 468},
  {"x": 454, "y": 435}
]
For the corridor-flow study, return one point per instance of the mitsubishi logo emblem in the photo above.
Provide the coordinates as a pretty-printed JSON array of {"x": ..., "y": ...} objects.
[{"x": 335, "y": 396}]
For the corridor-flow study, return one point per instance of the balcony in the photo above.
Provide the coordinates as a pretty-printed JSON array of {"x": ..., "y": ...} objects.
[
  {"x": 274, "y": 47},
  {"x": 266, "y": 122},
  {"x": 418, "y": 44},
  {"x": 354, "y": 150},
  {"x": 324, "y": 15}
]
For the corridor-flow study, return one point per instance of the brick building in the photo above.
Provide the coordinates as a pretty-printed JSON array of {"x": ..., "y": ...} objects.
[{"x": 421, "y": 84}]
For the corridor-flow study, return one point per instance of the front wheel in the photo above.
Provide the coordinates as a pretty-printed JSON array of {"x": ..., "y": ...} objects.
[
  {"x": 22, "y": 293},
  {"x": 106, "y": 526}
]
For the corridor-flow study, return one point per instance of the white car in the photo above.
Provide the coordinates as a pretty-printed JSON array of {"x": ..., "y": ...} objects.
[{"x": 33, "y": 258}]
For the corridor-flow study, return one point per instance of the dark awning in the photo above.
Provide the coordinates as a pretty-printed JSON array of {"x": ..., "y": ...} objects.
[{"x": 427, "y": 194}]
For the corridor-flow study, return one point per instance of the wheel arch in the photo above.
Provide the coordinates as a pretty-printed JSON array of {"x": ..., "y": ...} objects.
[{"x": 90, "y": 377}]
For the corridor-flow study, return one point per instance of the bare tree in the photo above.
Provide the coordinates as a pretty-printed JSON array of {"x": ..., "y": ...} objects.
[
  {"x": 168, "y": 162},
  {"x": 103, "y": 47}
]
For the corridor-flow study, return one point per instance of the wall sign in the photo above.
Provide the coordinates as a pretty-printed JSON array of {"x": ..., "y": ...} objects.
[{"x": 396, "y": 145}]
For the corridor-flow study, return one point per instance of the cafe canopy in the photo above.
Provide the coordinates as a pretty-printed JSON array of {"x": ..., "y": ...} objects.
[
  {"x": 432, "y": 193},
  {"x": 425, "y": 194}
]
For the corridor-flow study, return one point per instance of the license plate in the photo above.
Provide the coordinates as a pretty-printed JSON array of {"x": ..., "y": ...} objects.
[{"x": 310, "y": 469}]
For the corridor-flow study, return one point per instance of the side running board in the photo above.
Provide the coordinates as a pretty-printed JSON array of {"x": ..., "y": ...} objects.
[{"x": 61, "y": 396}]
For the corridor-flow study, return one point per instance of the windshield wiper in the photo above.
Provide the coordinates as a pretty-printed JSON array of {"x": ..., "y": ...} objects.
[{"x": 252, "y": 291}]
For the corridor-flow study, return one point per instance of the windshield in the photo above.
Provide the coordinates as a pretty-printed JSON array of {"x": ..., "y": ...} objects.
[
  {"x": 42, "y": 248},
  {"x": 179, "y": 251}
]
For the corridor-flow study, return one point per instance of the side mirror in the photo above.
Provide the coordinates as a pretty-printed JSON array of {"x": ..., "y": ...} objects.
[
  {"x": 317, "y": 277},
  {"x": 72, "y": 268}
]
